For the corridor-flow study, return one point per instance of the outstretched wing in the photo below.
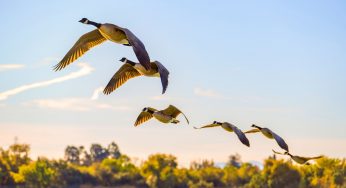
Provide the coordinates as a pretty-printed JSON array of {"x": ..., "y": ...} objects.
[
  {"x": 252, "y": 131},
  {"x": 280, "y": 141},
  {"x": 317, "y": 157},
  {"x": 143, "y": 117},
  {"x": 124, "y": 73},
  {"x": 163, "y": 75},
  {"x": 174, "y": 112},
  {"x": 207, "y": 126},
  {"x": 240, "y": 134},
  {"x": 84, "y": 43},
  {"x": 278, "y": 152},
  {"x": 138, "y": 48}
]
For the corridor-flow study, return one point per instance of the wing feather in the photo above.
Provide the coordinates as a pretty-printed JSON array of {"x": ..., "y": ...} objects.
[
  {"x": 207, "y": 126},
  {"x": 174, "y": 112},
  {"x": 240, "y": 134},
  {"x": 124, "y": 73},
  {"x": 280, "y": 141},
  {"x": 138, "y": 48},
  {"x": 84, "y": 43},
  {"x": 163, "y": 75},
  {"x": 252, "y": 131},
  {"x": 143, "y": 117}
]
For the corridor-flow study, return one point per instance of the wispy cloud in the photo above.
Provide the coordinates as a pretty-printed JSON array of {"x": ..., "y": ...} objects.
[
  {"x": 85, "y": 70},
  {"x": 75, "y": 104},
  {"x": 78, "y": 103},
  {"x": 97, "y": 93},
  {"x": 207, "y": 93},
  {"x": 160, "y": 98},
  {"x": 5, "y": 67}
]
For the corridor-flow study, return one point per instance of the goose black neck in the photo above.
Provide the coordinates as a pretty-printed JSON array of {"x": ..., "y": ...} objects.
[
  {"x": 257, "y": 127},
  {"x": 150, "y": 111},
  {"x": 94, "y": 24},
  {"x": 130, "y": 62}
]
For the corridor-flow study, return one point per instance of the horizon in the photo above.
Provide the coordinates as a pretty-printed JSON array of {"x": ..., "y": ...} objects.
[{"x": 278, "y": 65}]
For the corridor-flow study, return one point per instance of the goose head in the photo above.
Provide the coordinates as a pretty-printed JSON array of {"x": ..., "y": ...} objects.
[
  {"x": 84, "y": 21},
  {"x": 253, "y": 125},
  {"x": 217, "y": 123},
  {"x": 123, "y": 59}
]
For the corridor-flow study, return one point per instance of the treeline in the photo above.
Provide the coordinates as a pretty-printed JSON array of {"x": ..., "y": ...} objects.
[{"x": 107, "y": 166}]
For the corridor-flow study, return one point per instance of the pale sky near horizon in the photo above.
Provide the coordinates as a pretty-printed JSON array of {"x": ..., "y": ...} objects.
[{"x": 280, "y": 65}]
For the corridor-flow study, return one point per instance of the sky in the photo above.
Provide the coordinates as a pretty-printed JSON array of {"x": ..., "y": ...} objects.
[{"x": 277, "y": 64}]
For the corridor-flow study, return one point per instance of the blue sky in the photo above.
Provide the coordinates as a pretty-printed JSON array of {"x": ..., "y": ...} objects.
[{"x": 278, "y": 64}]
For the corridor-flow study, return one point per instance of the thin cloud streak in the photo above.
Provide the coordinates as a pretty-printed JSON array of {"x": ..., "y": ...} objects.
[
  {"x": 207, "y": 93},
  {"x": 85, "y": 70},
  {"x": 5, "y": 67},
  {"x": 75, "y": 104}
]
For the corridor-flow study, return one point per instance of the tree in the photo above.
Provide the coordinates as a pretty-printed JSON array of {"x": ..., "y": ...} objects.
[
  {"x": 37, "y": 174},
  {"x": 234, "y": 160},
  {"x": 113, "y": 150},
  {"x": 98, "y": 153},
  {"x": 72, "y": 154},
  {"x": 279, "y": 173},
  {"x": 159, "y": 170}
]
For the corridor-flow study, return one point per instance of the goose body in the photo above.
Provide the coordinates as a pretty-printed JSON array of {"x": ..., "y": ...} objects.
[
  {"x": 230, "y": 128},
  {"x": 299, "y": 159},
  {"x": 167, "y": 115},
  {"x": 269, "y": 134},
  {"x": 102, "y": 33},
  {"x": 112, "y": 33},
  {"x": 131, "y": 69}
]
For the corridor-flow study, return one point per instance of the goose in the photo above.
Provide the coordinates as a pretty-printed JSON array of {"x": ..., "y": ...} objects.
[
  {"x": 131, "y": 69},
  {"x": 269, "y": 134},
  {"x": 102, "y": 33},
  {"x": 229, "y": 127},
  {"x": 299, "y": 159},
  {"x": 167, "y": 115}
]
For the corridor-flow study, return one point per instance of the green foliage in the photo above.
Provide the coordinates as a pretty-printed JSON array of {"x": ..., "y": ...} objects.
[
  {"x": 158, "y": 170},
  {"x": 106, "y": 166},
  {"x": 36, "y": 174}
]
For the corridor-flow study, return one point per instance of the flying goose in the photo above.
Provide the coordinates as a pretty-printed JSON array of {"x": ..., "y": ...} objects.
[
  {"x": 167, "y": 115},
  {"x": 299, "y": 159},
  {"x": 229, "y": 127},
  {"x": 131, "y": 69},
  {"x": 269, "y": 134},
  {"x": 104, "y": 32}
]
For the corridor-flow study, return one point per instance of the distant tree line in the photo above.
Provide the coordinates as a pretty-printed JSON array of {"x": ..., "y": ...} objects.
[{"x": 108, "y": 167}]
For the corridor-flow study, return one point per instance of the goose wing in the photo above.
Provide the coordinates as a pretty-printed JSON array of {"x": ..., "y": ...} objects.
[
  {"x": 163, "y": 75},
  {"x": 252, "y": 131},
  {"x": 124, "y": 73},
  {"x": 280, "y": 141},
  {"x": 310, "y": 158},
  {"x": 207, "y": 126},
  {"x": 144, "y": 116},
  {"x": 174, "y": 112},
  {"x": 278, "y": 152},
  {"x": 84, "y": 43},
  {"x": 240, "y": 134},
  {"x": 138, "y": 48}
]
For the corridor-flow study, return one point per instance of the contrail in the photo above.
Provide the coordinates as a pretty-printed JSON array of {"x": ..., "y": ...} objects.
[{"x": 85, "y": 70}]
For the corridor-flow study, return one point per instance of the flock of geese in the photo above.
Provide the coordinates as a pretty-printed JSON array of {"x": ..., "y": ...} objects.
[{"x": 131, "y": 69}]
